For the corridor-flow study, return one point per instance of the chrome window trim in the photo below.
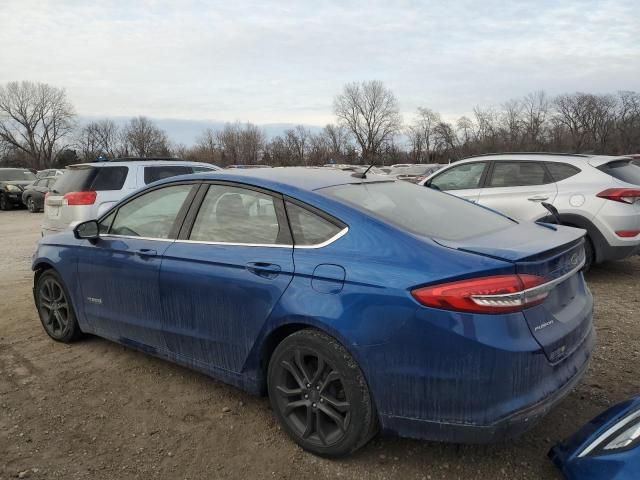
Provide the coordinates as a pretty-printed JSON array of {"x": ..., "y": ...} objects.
[
  {"x": 609, "y": 432},
  {"x": 111, "y": 235},
  {"x": 234, "y": 244},
  {"x": 338, "y": 235},
  {"x": 329, "y": 241},
  {"x": 530, "y": 294}
]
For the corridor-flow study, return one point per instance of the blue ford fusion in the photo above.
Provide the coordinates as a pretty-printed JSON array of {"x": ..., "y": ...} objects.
[
  {"x": 604, "y": 449},
  {"x": 356, "y": 304}
]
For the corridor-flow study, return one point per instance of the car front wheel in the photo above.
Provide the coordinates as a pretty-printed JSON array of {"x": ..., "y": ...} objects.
[
  {"x": 319, "y": 394},
  {"x": 5, "y": 204},
  {"x": 55, "y": 309}
]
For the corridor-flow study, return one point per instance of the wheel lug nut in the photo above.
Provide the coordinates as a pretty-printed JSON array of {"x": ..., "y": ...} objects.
[
  {"x": 313, "y": 405},
  {"x": 322, "y": 400},
  {"x": 318, "y": 387},
  {"x": 306, "y": 396},
  {"x": 308, "y": 385}
]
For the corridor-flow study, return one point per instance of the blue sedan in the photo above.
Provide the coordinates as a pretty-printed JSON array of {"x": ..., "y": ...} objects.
[{"x": 356, "y": 302}]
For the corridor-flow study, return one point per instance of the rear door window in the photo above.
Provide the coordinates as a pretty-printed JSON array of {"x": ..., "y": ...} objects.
[
  {"x": 625, "y": 170},
  {"x": 460, "y": 177},
  {"x": 158, "y": 172},
  {"x": 309, "y": 228},
  {"x": 561, "y": 171},
  {"x": 236, "y": 215},
  {"x": 518, "y": 174}
]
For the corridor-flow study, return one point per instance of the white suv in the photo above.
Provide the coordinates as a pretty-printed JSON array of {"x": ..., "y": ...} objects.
[
  {"x": 87, "y": 190},
  {"x": 600, "y": 194}
]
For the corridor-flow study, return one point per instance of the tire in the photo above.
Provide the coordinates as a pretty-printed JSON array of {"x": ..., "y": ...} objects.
[
  {"x": 589, "y": 254},
  {"x": 319, "y": 395},
  {"x": 31, "y": 205},
  {"x": 55, "y": 309},
  {"x": 5, "y": 204}
]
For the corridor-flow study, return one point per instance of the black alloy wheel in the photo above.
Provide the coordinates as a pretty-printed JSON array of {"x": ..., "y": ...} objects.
[
  {"x": 5, "y": 204},
  {"x": 55, "y": 309},
  {"x": 31, "y": 205},
  {"x": 319, "y": 395}
]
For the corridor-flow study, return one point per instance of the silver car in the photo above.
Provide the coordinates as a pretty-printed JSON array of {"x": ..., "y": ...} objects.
[
  {"x": 600, "y": 194},
  {"x": 87, "y": 190}
]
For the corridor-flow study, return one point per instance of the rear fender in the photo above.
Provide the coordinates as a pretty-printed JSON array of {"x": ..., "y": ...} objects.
[{"x": 597, "y": 239}]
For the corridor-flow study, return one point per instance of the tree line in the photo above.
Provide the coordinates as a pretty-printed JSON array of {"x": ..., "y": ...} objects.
[{"x": 38, "y": 129}]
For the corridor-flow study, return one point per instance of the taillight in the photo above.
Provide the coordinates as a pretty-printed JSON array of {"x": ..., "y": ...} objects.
[
  {"x": 80, "y": 198},
  {"x": 498, "y": 294},
  {"x": 628, "y": 233},
  {"x": 624, "y": 195}
]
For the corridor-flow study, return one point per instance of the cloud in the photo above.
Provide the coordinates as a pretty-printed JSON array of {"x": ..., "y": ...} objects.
[{"x": 284, "y": 61}]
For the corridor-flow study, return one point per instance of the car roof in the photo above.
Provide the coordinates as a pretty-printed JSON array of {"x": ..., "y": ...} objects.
[
  {"x": 281, "y": 178},
  {"x": 571, "y": 158},
  {"x": 147, "y": 163}
]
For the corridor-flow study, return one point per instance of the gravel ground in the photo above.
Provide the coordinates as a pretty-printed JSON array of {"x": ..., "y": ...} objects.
[{"x": 98, "y": 410}]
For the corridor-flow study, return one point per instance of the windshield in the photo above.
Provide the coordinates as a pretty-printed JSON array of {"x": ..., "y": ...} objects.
[
  {"x": 419, "y": 210},
  {"x": 16, "y": 175}
]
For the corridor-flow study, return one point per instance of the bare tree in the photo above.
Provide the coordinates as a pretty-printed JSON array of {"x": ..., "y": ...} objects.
[
  {"x": 142, "y": 138},
  {"x": 536, "y": 109},
  {"x": 420, "y": 134},
  {"x": 370, "y": 111},
  {"x": 298, "y": 142},
  {"x": 99, "y": 139},
  {"x": 628, "y": 122},
  {"x": 35, "y": 118}
]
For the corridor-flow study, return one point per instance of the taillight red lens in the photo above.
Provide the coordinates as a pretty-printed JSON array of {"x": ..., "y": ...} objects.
[
  {"x": 498, "y": 294},
  {"x": 80, "y": 198},
  {"x": 624, "y": 195},
  {"x": 628, "y": 233}
]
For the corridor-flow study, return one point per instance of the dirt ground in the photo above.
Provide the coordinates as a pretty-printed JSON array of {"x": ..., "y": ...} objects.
[{"x": 98, "y": 410}]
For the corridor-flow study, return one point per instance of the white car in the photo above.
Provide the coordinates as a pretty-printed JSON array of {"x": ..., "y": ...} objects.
[
  {"x": 51, "y": 172},
  {"x": 87, "y": 190},
  {"x": 600, "y": 194}
]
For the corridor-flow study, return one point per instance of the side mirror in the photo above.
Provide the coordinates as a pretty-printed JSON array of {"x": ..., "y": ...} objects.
[{"x": 88, "y": 230}]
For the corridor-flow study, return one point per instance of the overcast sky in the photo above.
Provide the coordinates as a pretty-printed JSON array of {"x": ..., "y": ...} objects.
[{"x": 267, "y": 62}]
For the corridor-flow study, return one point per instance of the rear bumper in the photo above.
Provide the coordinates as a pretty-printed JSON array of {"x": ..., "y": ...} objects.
[
  {"x": 512, "y": 425},
  {"x": 470, "y": 378},
  {"x": 618, "y": 253}
]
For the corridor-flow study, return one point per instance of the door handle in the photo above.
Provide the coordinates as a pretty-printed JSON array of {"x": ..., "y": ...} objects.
[
  {"x": 264, "y": 269},
  {"x": 146, "y": 252},
  {"x": 538, "y": 198}
]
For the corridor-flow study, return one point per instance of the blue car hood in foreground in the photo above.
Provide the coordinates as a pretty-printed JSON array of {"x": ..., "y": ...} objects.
[{"x": 589, "y": 453}]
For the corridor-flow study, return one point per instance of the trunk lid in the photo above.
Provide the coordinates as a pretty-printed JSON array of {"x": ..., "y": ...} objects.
[{"x": 556, "y": 254}]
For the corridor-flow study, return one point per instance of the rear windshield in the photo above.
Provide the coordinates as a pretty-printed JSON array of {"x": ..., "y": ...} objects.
[
  {"x": 625, "y": 170},
  {"x": 16, "y": 175},
  {"x": 419, "y": 210},
  {"x": 91, "y": 179}
]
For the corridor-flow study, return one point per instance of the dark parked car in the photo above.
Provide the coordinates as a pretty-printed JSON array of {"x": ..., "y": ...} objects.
[
  {"x": 34, "y": 193},
  {"x": 345, "y": 297},
  {"x": 12, "y": 184}
]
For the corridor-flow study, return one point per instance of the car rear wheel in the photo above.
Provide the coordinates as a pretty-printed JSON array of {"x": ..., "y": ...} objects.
[
  {"x": 31, "y": 205},
  {"x": 55, "y": 309},
  {"x": 319, "y": 395},
  {"x": 5, "y": 204}
]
